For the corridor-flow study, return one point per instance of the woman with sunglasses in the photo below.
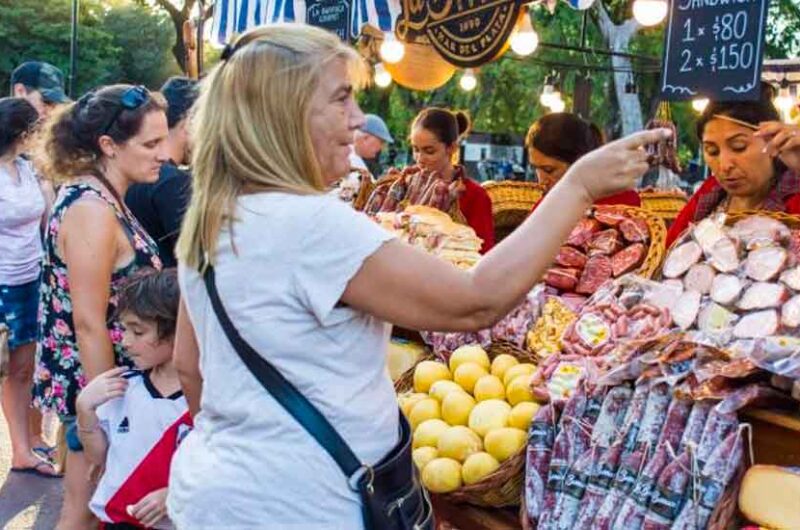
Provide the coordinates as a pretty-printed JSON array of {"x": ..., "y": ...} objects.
[
  {"x": 94, "y": 148},
  {"x": 312, "y": 285},
  {"x": 22, "y": 208},
  {"x": 754, "y": 161}
]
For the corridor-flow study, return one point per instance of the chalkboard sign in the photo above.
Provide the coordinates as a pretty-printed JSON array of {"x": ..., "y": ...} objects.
[
  {"x": 714, "y": 49},
  {"x": 333, "y": 15}
]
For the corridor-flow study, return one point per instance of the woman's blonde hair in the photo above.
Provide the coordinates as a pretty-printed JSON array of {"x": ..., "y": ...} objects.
[{"x": 250, "y": 127}]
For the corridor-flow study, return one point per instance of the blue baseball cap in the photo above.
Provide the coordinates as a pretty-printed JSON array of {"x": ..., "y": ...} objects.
[
  {"x": 375, "y": 126},
  {"x": 42, "y": 77}
]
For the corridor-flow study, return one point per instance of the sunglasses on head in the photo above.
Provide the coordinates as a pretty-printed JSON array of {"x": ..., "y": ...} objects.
[{"x": 131, "y": 99}]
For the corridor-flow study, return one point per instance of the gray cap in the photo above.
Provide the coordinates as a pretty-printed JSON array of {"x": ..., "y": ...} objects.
[{"x": 375, "y": 126}]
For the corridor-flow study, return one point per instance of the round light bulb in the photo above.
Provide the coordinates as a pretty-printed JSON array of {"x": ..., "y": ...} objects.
[
  {"x": 524, "y": 40},
  {"x": 784, "y": 100},
  {"x": 558, "y": 105},
  {"x": 700, "y": 104},
  {"x": 650, "y": 12},
  {"x": 468, "y": 81},
  {"x": 382, "y": 77},
  {"x": 548, "y": 95},
  {"x": 392, "y": 50}
]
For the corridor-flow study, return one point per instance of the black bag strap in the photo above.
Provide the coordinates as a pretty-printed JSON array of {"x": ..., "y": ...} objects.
[{"x": 285, "y": 393}]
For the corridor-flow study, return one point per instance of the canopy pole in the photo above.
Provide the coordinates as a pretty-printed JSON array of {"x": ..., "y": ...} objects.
[{"x": 73, "y": 50}]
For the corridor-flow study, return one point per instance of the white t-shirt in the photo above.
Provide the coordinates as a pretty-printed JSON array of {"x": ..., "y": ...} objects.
[
  {"x": 248, "y": 464},
  {"x": 21, "y": 208}
]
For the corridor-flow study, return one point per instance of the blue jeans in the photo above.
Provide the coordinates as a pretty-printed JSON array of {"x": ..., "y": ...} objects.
[
  {"x": 19, "y": 310},
  {"x": 71, "y": 431}
]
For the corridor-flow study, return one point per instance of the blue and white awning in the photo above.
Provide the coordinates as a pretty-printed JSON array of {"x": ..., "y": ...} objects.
[{"x": 233, "y": 17}]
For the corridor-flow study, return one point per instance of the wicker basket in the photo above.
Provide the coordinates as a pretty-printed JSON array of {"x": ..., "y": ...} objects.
[
  {"x": 504, "y": 486},
  {"x": 512, "y": 202},
  {"x": 666, "y": 205},
  {"x": 658, "y": 237},
  {"x": 792, "y": 221}
]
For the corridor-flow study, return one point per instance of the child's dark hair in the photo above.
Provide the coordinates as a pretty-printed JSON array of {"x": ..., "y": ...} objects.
[
  {"x": 17, "y": 118},
  {"x": 152, "y": 295}
]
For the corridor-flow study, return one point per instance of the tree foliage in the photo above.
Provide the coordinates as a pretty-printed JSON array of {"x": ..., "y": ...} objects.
[{"x": 118, "y": 41}]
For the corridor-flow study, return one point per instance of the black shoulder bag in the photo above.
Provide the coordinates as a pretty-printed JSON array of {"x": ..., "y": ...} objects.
[{"x": 391, "y": 495}]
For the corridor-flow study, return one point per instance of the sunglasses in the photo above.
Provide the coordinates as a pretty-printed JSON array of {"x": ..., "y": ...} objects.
[{"x": 133, "y": 98}]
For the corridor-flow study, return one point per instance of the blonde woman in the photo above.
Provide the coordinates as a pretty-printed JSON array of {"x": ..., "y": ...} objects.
[{"x": 312, "y": 284}]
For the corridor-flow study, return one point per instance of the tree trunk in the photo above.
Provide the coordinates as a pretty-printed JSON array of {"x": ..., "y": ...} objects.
[
  {"x": 618, "y": 38},
  {"x": 178, "y": 15}
]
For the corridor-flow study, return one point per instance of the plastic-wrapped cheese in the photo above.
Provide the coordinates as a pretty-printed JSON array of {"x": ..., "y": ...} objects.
[{"x": 770, "y": 496}]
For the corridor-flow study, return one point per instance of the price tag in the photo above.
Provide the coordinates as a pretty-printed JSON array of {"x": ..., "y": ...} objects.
[{"x": 714, "y": 49}]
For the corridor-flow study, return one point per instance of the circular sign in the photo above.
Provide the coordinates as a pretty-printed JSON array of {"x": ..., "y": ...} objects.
[{"x": 467, "y": 33}]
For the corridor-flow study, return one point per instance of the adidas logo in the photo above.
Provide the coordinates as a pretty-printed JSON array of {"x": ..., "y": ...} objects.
[{"x": 124, "y": 426}]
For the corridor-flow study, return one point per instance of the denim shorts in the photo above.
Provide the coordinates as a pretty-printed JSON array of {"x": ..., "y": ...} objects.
[
  {"x": 19, "y": 310},
  {"x": 71, "y": 433}
]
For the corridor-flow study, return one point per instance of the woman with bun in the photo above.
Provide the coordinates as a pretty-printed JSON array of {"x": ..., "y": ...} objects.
[
  {"x": 753, "y": 158},
  {"x": 556, "y": 141},
  {"x": 435, "y": 135}
]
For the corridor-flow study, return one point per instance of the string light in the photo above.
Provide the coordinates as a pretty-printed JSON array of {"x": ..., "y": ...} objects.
[
  {"x": 468, "y": 81},
  {"x": 699, "y": 105},
  {"x": 650, "y": 12},
  {"x": 549, "y": 93},
  {"x": 524, "y": 40},
  {"x": 382, "y": 77},
  {"x": 392, "y": 50},
  {"x": 558, "y": 105}
]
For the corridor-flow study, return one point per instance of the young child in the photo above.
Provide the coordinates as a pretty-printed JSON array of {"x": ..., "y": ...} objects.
[{"x": 131, "y": 421}]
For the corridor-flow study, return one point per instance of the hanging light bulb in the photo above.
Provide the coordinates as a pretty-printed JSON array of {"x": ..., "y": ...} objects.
[
  {"x": 524, "y": 40},
  {"x": 382, "y": 77},
  {"x": 549, "y": 92},
  {"x": 650, "y": 12},
  {"x": 468, "y": 81},
  {"x": 558, "y": 105},
  {"x": 392, "y": 50},
  {"x": 700, "y": 104}
]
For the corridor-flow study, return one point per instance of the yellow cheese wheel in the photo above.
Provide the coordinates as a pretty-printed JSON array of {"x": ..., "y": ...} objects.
[{"x": 770, "y": 496}]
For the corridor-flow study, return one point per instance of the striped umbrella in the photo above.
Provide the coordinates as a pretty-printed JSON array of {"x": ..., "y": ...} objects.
[{"x": 233, "y": 17}]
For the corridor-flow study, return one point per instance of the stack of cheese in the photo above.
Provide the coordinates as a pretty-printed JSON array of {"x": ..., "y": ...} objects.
[{"x": 435, "y": 232}]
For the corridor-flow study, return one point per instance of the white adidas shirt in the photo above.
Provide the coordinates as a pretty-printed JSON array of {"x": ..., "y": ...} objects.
[
  {"x": 248, "y": 464},
  {"x": 143, "y": 430}
]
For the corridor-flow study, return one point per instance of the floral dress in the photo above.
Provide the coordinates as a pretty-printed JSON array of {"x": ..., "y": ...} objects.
[{"x": 59, "y": 376}]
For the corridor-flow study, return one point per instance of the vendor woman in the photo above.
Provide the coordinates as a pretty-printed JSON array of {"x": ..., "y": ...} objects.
[
  {"x": 435, "y": 136},
  {"x": 753, "y": 158},
  {"x": 556, "y": 141}
]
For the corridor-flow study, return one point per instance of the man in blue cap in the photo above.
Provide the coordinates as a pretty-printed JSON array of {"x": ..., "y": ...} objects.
[
  {"x": 41, "y": 84},
  {"x": 160, "y": 206},
  {"x": 368, "y": 142}
]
